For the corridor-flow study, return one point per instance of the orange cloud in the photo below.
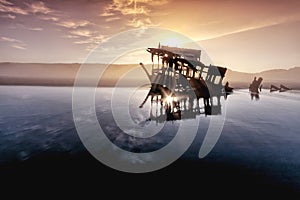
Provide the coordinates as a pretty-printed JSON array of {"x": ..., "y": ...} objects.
[
  {"x": 39, "y": 7},
  {"x": 112, "y": 19},
  {"x": 49, "y": 18},
  {"x": 73, "y": 23},
  {"x": 138, "y": 9},
  {"x": 140, "y": 22},
  {"x": 6, "y": 6},
  {"x": 82, "y": 32}
]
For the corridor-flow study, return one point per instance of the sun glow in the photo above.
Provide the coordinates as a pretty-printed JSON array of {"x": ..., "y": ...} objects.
[
  {"x": 173, "y": 42},
  {"x": 169, "y": 100}
]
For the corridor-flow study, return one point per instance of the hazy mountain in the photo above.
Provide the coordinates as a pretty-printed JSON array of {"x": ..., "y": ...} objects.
[
  {"x": 64, "y": 75},
  {"x": 288, "y": 77}
]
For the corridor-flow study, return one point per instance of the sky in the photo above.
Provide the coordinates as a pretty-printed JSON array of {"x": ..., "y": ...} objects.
[{"x": 249, "y": 36}]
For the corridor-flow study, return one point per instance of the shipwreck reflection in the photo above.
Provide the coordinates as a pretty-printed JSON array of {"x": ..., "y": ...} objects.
[
  {"x": 254, "y": 96},
  {"x": 172, "y": 108}
]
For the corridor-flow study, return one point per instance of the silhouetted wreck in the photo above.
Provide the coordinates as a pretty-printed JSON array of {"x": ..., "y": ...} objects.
[
  {"x": 256, "y": 85},
  {"x": 284, "y": 88},
  {"x": 180, "y": 81},
  {"x": 281, "y": 88},
  {"x": 274, "y": 88},
  {"x": 227, "y": 88}
]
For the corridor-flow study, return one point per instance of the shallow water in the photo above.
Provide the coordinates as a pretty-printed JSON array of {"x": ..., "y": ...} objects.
[{"x": 262, "y": 135}]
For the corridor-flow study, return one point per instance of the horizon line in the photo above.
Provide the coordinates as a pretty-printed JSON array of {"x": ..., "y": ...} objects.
[{"x": 53, "y": 63}]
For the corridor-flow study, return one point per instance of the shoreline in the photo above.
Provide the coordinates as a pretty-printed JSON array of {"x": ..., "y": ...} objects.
[
  {"x": 64, "y": 75},
  {"x": 52, "y": 83}
]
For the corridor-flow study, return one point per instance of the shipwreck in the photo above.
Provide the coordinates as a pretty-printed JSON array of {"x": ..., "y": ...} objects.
[{"x": 179, "y": 80}]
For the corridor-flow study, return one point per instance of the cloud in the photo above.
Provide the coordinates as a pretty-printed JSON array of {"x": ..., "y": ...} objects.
[
  {"x": 8, "y": 7},
  {"x": 136, "y": 23},
  {"x": 6, "y": 2},
  {"x": 17, "y": 44},
  {"x": 137, "y": 9},
  {"x": 9, "y": 16},
  {"x": 90, "y": 42},
  {"x": 273, "y": 22},
  {"x": 34, "y": 29},
  {"x": 155, "y": 2},
  {"x": 106, "y": 14},
  {"x": 132, "y": 7},
  {"x": 81, "y": 42},
  {"x": 234, "y": 31},
  {"x": 94, "y": 42},
  {"x": 73, "y": 24},
  {"x": 90, "y": 47},
  {"x": 71, "y": 36},
  {"x": 98, "y": 38},
  {"x": 95, "y": 39},
  {"x": 18, "y": 47},
  {"x": 82, "y": 32},
  {"x": 39, "y": 7},
  {"x": 49, "y": 18},
  {"x": 30, "y": 28},
  {"x": 125, "y": 8},
  {"x": 35, "y": 7},
  {"x": 112, "y": 19},
  {"x": 9, "y": 39}
]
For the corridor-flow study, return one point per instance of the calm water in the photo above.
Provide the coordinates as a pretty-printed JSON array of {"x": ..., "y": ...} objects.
[{"x": 262, "y": 135}]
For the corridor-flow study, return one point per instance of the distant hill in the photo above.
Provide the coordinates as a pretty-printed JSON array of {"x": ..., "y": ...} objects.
[
  {"x": 64, "y": 75},
  {"x": 288, "y": 77}
]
